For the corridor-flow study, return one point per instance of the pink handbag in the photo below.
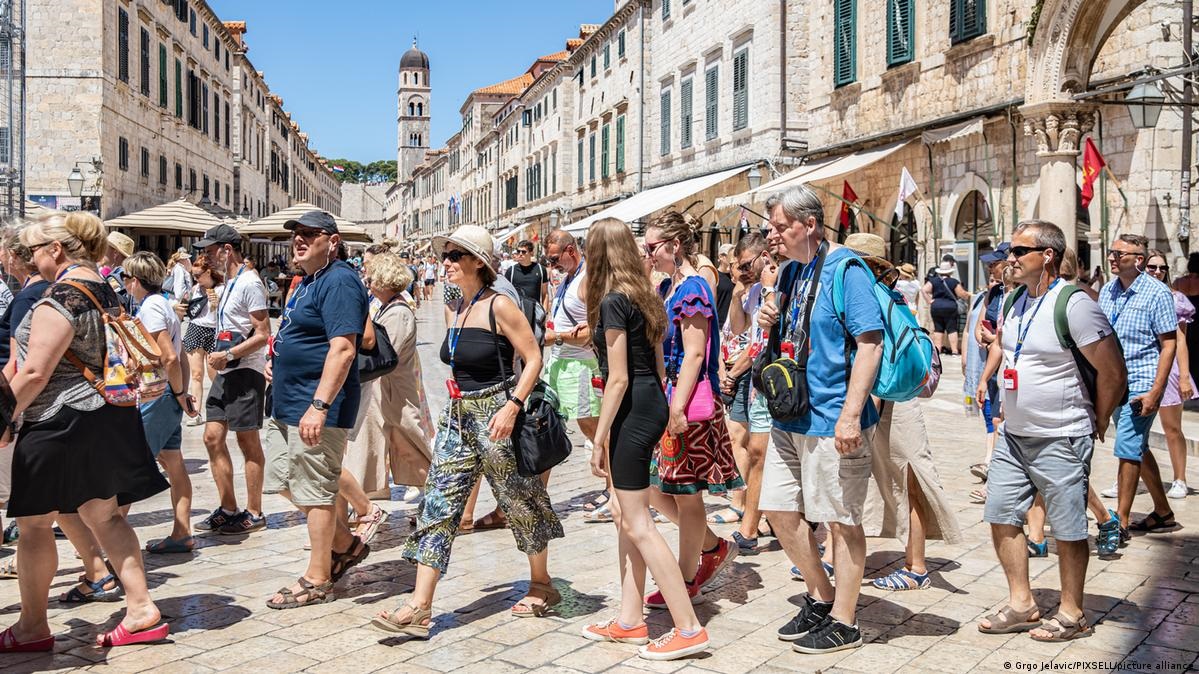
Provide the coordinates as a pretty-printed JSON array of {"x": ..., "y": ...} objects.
[{"x": 701, "y": 406}]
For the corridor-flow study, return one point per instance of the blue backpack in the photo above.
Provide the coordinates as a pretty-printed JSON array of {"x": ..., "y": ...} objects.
[{"x": 907, "y": 360}]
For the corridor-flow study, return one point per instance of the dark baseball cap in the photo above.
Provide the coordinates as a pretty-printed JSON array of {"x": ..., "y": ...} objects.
[
  {"x": 219, "y": 235},
  {"x": 997, "y": 255},
  {"x": 314, "y": 220}
]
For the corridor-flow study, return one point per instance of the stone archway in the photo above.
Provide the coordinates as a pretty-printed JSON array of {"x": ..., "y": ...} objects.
[{"x": 1067, "y": 39}]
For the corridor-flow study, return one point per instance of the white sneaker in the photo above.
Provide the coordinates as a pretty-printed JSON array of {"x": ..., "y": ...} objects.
[
  {"x": 1178, "y": 489},
  {"x": 587, "y": 445},
  {"x": 1114, "y": 490}
]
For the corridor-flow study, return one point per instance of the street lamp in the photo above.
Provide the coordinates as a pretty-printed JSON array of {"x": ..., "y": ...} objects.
[
  {"x": 75, "y": 182},
  {"x": 755, "y": 177},
  {"x": 1145, "y": 104}
]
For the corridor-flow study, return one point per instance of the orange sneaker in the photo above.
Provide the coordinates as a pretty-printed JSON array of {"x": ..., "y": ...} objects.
[
  {"x": 673, "y": 645},
  {"x": 612, "y": 631},
  {"x": 656, "y": 600},
  {"x": 712, "y": 563}
]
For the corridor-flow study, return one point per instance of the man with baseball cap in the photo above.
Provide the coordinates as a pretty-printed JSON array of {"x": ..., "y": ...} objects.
[
  {"x": 120, "y": 247},
  {"x": 179, "y": 280},
  {"x": 315, "y": 396},
  {"x": 235, "y": 399}
]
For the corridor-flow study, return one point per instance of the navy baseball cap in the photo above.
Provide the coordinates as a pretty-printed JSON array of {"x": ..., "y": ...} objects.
[
  {"x": 998, "y": 255},
  {"x": 314, "y": 220},
  {"x": 221, "y": 234}
]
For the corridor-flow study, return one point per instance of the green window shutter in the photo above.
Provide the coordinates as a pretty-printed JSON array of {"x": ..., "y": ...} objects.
[
  {"x": 607, "y": 56},
  {"x": 620, "y": 144},
  {"x": 685, "y": 104},
  {"x": 123, "y": 45},
  {"x": 741, "y": 90},
  {"x": 162, "y": 75},
  {"x": 591, "y": 157},
  {"x": 845, "y": 65},
  {"x": 580, "y": 163},
  {"x": 620, "y": 44},
  {"x": 178, "y": 89},
  {"x": 967, "y": 19},
  {"x": 899, "y": 32},
  {"x": 664, "y": 137},
  {"x": 604, "y": 144},
  {"x": 665, "y": 9},
  {"x": 711, "y": 103}
]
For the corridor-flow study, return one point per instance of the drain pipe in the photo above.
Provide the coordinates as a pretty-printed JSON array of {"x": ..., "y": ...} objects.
[
  {"x": 782, "y": 72},
  {"x": 641, "y": 108}
]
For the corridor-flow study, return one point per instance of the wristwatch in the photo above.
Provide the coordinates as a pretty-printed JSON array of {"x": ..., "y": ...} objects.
[
  {"x": 766, "y": 290},
  {"x": 558, "y": 340},
  {"x": 320, "y": 405}
]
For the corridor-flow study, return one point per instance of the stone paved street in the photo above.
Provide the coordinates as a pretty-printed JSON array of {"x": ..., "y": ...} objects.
[{"x": 1146, "y": 602}]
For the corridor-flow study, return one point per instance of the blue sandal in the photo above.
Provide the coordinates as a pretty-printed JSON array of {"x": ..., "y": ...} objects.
[
  {"x": 902, "y": 579},
  {"x": 717, "y": 518},
  {"x": 168, "y": 545},
  {"x": 98, "y": 593}
]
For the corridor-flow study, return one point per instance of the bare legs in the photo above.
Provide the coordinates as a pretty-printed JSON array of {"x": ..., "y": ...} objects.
[
  {"x": 327, "y": 531},
  {"x": 1010, "y": 547},
  {"x": 105, "y": 520},
  {"x": 1171, "y": 418},
  {"x": 181, "y": 491},
  {"x": 914, "y": 551},
  {"x": 197, "y": 363},
  {"x": 37, "y": 562},
  {"x": 222, "y": 466},
  {"x": 350, "y": 489},
  {"x": 755, "y": 459},
  {"x": 687, "y": 512}
]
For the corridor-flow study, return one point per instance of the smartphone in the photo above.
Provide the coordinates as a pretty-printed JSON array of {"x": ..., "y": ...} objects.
[
  {"x": 988, "y": 325},
  {"x": 191, "y": 405},
  {"x": 1136, "y": 406}
]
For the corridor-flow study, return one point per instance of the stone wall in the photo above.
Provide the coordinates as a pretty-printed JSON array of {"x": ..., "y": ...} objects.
[{"x": 364, "y": 205}]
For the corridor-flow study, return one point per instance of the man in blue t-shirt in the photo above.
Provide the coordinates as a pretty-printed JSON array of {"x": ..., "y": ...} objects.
[
  {"x": 315, "y": 401},
  {"x": 818, "y": 467}
]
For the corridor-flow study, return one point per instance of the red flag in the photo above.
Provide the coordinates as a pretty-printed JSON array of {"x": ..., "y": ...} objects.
[
  {"x": 848, "y": 195},
  {"x": 1092, "y": 164}
]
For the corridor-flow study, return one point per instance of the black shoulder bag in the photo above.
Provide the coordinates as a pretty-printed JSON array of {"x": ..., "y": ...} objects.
[
  {"x": 379, "y": 360},
  {"x": 539, "y": 438},
  {"x": 784, "y": 381}
]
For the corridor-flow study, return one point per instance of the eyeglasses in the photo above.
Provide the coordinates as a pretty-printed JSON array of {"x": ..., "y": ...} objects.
[
  {"x": 34, "y": 248},
  {"x": 651, "y": 248},
  {"x": 745, "y": 266},
  {"x": 454, "y": 256},
  {"x": 309, "y": 233},
  {"x": 1021, "y": 251},
  {"x": 1156, "y": 267},
  {"x": 1118, "y": 254}
]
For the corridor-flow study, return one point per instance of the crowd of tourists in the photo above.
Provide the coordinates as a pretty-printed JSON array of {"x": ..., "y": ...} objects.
[{"x": 669, "y": 365}]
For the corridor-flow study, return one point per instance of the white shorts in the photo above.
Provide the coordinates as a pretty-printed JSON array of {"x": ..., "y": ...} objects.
[{"x": 807, "y": 475}]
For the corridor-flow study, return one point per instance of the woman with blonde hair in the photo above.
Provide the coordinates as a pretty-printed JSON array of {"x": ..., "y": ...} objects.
[
  {"x": 697, "y": 453},
  {"x": 630, "y": 324},
  {"x": 60, "y": 471},
  {"x": 200, "y": 338}
]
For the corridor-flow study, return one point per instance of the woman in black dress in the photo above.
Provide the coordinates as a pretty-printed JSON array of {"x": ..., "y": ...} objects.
[{"x": 631, "y": 322}]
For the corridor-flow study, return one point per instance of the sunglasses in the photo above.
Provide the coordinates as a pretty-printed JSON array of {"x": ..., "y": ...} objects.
[
  {"x": 1118, "y": 254},
  {"x": 1156, "y": 267},
  {"x": 523, "y": 252},
  {"x": 454, "y": 256},
  {"x": 1021, "y": 251},
  {"x": 651, "y": 248},
  {"x": 34, "y": 248},
  {"x": 309, "y": 233},
  {"x": 744, "y": 267}
]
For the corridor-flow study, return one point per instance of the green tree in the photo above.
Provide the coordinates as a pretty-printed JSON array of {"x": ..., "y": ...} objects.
[{"x": 383, "y": 170}]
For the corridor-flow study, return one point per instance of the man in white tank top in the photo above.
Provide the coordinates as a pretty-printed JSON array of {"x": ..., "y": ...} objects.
[{"x": 572, "y": 364}]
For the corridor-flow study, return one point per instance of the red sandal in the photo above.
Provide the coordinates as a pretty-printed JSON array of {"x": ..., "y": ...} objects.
[
  {"x": 9, "y": 644},
  {"x": 123, "y": 637}
]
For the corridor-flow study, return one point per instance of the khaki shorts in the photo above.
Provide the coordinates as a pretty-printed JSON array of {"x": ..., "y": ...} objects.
[
  {"x": 308, "y": 473},
  {"x": 807, "y": 475}
]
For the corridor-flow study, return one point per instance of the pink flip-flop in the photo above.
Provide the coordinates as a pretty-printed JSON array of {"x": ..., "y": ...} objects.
[
  {"x": 9, "y": 644},
  {"x": 123, "y": 637}
]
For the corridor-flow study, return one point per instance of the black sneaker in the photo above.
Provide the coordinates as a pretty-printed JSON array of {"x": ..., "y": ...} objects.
[
  {"x": 243, "y": 523},
  {"x": 215, "y": 521},
  {"x": 832, "y": 636},
  {"x": 811, "y": 615}
]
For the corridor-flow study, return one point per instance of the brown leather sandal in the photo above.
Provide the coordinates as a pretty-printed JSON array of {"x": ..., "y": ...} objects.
[
  {"x": 309, "y": 593},
  {"x": 417, "y": 624},
  {"x": 344, "y": 561},
  {"x": 551, "y": 599},
  {"x": 1008, "y": 620},
  {"x": 1061, "y": 628}
]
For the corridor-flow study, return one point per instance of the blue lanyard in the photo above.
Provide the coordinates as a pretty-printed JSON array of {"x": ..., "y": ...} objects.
[
  {"x": 220, "y": 310},
  {"x": 64, "y": 272},
  {"x": 1022, "y": 329},
  {"x": 1119, "y": 309},
  {"x": 456, "y": 332},
  {"x": 802, "y": 285},
  {"x": 560, "y": 298}
]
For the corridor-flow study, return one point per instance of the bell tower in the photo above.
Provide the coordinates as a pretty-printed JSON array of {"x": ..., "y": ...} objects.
[{"x": 412, "y": 111}]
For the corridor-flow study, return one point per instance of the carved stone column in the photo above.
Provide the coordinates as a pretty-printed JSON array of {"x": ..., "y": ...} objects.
[{"x": 1058, "y": 129}]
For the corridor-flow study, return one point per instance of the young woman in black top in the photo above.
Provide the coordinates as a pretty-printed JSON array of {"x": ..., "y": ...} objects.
[{"x": 631, "y": 322}]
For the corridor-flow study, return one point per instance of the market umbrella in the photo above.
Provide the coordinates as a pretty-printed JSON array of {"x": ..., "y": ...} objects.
[
  {"x": 271, "y": 226},
  {"x": 180, "y": 216}
]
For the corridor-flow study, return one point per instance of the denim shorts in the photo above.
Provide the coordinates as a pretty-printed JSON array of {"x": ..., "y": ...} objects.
[
  {"x": 1132, "y": 432},
  {"x": 749, "y": 407},
  {"x": 1058, "y": 468},
  {"x": 163, "y": 420}
]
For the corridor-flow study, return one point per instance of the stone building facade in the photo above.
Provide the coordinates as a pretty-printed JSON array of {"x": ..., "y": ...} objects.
[
  {"x": 152, "y": 101},
  {"x": 364, "y": 205}
]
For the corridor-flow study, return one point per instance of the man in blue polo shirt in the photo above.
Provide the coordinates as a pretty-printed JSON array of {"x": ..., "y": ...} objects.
[
  {"x": 315, "y": 401},
  {"x": 1141, "y": 311},
  {"x": 818, "y": 467}
]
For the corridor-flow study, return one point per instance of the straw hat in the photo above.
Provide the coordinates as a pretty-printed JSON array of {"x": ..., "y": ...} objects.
[
  {"x": 120, "y": 243},
  {"x": 867, "y": 245},
  {"x": 907, "y": 270},
  {"x": 470, "y": 238}
]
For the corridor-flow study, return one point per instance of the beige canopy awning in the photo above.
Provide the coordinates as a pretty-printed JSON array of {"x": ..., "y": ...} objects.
[
  {"x": 272, "y": 225},
  {"x": 951, "y": 133},
  {"x": 655, "y": 199},
  {"x": 775, "y": 186},
  {"x": 175, "y": 216}
]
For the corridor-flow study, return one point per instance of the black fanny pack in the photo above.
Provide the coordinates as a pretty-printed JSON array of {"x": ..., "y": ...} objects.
[
  {"x": 782, "y": 377},
  {"x": 226, "y": 340}
]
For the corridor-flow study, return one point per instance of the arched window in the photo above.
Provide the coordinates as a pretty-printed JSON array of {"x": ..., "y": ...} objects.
[
  {"x": 420, "y": 109},
  {"x": 411, "y": 109},
  {"x": 416, "y": 78},
  {"x": 973, "y": 218},
  {"x": 404, "y": 78},
  {"x": 903, "y": 237}
]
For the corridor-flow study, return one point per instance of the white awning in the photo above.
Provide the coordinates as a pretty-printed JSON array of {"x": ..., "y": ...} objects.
[
  {"x": 951, "y": 133},
  {"x": 645, "y": 202},
  {"x": 504, "y": 236},
  {"x": 779, "y": 184}
]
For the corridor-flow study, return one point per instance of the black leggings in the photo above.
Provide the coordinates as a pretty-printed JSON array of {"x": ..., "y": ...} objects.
[{"x": 639, "y": 425}]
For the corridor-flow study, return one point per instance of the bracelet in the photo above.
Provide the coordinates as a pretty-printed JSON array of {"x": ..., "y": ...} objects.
[
  {"x": 176, "y": 393},
  {"x": 519, "y": 403}
]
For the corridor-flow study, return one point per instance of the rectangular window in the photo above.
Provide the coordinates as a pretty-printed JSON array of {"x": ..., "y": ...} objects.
[
  {"x": 216, "y": 48},
  {"x": 162, "y": 75},
  {"x": 191, "y": 22},
  {"x": 206, "y": 185},
  {"x": 123, "y": 45},
  {"x": 553, "y": 173},
  {"x": 899, "y": 32},
  {"x": 605, "y": 139},
  {"x": 5, "y": 54},
  {"x": 145, "y": 163},
  {"x": 178, "y": 89},
  {"x": 844, "y": 42},
  {"x": 593, "y": 66},
  {"x": 665, "y": 9},
  {"x": 204, "y": 40},
  {"x": 591, "y": 157},
  {"x": 554, "y": 98},
  {"x": 620, "y": 44},
  {"x": 664, "y": 132},
  {"x": 144, "y": 61},
  {"x": 685, "y": 103},
  {"x": 607, "y": 56},
  {"x": 967, "y": 19},
  {"x": 741, "y": 90},
  {"x": 123, "y": 154},
  {"x": 580, "y": 170},
  {"x": 227, "y": 134},
  {"x": 5, "y": 146},
  {"x": 216, "y": 117},
  {"x": 204, "y": 108},
  {"x": 178, "y": 176},
  {"x": 162, "y": 169},
  {"x": 712, "y": 103},
  {"x": 620, "y": 144}
]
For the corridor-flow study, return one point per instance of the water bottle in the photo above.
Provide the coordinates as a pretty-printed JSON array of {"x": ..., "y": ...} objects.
[{"x": 969, "y": 407}]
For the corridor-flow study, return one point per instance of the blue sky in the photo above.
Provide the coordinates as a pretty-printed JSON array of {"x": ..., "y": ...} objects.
[{"x": 336, "y": 63}]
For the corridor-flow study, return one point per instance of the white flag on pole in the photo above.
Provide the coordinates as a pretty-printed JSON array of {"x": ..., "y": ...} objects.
[{"x": 907, "y": 187}]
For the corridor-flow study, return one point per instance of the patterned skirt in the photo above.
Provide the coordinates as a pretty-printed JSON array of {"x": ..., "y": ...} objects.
[
  {"x": 701, "y": 459},
  {"x": 200, "y": 338}
]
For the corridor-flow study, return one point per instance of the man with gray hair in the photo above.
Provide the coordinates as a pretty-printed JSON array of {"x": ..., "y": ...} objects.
[
  {"x": 1051, "y": 416},
  {"x": 818, "y": 467}
]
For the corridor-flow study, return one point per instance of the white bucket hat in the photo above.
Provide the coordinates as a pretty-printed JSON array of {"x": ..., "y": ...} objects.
[
  {"x": 946, "y": 268},
  {"x": 470, "y": 238}
]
